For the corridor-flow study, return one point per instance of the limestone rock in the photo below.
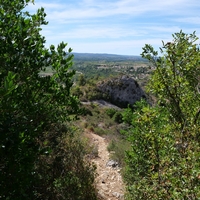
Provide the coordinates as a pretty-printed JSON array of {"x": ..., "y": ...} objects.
[
  {"x": 118, "y": 195},
  {"x": 121, "y": 91},
  {"x": 112, "y": 163}
]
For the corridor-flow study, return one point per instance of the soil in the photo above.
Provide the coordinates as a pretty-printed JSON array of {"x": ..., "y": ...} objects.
[{"x": 109, "y": 181}]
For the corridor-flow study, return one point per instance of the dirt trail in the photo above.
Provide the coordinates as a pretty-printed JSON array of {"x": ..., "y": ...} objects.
[{"x": 109, "y": 182}]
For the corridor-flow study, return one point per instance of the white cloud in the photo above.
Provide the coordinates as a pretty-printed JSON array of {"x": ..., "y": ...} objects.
[
  {"x": 94, "y": 9},
  {"x": 191, "y": 20},
  {"x": 47, "y": 6},
  {"x": 96, "y": 32},
  {"x": 111, "y": 26}
]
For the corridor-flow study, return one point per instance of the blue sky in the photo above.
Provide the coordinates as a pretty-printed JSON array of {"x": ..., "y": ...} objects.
[{"x": 117, "y": 26}]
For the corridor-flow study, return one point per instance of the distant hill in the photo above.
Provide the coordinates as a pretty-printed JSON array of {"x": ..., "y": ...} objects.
[{"x": 105, "y": 57}]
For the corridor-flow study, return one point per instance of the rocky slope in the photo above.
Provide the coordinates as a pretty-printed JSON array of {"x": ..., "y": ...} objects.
[{"x": 121, "y": 91}]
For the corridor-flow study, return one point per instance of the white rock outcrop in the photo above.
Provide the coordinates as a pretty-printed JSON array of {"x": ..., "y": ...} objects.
[{"x": 121, "y": 91}]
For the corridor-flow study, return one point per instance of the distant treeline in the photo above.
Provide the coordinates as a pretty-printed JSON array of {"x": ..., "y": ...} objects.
[{"x": 105, "y": 57}]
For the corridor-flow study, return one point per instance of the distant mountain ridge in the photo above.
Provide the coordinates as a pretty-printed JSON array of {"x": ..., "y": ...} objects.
[{"x": 105, "y": 57}]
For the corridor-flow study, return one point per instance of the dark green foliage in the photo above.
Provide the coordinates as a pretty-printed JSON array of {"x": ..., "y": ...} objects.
[
  {"x": 63, "y": 172},
  {"x": 32, "y": 111},
  {"x": 115, "y": 115},
  {"x": 92, "y": 93},
  {"x": 110, "y": 112},
  {"x": 77, "y": 91},
  {"x": 118, "y": 117},
  {"x": 81, "y": 80},
  {"x": 164, "y": 160}
]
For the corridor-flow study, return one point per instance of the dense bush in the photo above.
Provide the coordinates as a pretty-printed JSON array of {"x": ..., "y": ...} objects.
[
  {"x": 39, "y": 157},
  {"x": 118, "y": 117},
  {"x": 115, "y": 115},
  {"x": 164, "y": 160},
  {"x": 110, "y": 112},
  {"x": 64, "y": 172}
]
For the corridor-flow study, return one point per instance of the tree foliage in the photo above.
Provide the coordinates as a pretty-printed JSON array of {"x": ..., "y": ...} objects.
[
  {"x": 164, "y": 160},
  {"x": 32, "y": 112},
  {"x": 176, "y": 78}
]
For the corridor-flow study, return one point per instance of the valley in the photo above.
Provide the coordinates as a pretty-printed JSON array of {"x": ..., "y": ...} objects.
[{"x": 101, "y": 123}]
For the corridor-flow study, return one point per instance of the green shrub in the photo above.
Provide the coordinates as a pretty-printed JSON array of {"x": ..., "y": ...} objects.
[
  {"x": 77, "y": 91},
  {"x": 164, "y": 161},
  {"x": 64, "y": 167},
  {"x": 118, "y": 117},
  {"x": 160, "y": 165},
  {"x": 81, "y": 80},
  {"x": 39, "y": 156},
  {"x": 110, "y": 112},
  {"x": 99, "y": 131}
]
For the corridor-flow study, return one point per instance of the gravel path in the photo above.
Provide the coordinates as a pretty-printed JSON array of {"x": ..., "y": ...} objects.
[{"x": 109, "y": 182}]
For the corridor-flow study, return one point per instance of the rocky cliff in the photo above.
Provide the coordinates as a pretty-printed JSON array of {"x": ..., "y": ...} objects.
[{"x": 121, "y": 91}]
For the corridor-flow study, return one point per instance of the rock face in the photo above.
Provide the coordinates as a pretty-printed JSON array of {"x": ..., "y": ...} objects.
[{"x": 121, "y": 91}]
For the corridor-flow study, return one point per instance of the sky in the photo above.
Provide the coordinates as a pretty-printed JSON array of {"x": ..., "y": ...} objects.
[{"x": 116, "y": 26}]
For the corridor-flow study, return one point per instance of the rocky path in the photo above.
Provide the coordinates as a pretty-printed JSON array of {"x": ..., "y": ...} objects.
[{"x": 109, "y": 182}]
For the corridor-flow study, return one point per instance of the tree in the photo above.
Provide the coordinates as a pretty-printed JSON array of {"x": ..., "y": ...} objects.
[
  {"x": 33, "y": 110},
  {"x": 164, "y": 160},
  {"x": 176, "y": 77},
  {"x": 81, "y": 80}
]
